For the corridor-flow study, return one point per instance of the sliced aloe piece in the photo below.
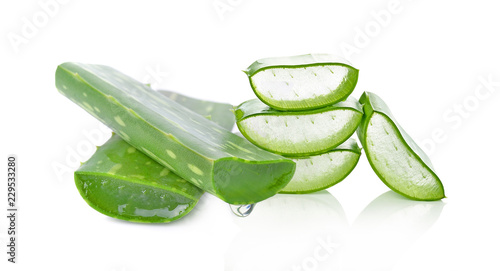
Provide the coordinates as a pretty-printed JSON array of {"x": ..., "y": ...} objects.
[
  {"x": 394, "y": 156},
  {"x": 123, "y": 183},
  {"x": 302, "y": 82},
  {"x": 318, "y": 172},
  {"x": 301, "y": 133},
  {"x": 190, "y": 145},
  {"x": 220, "y": 113}
]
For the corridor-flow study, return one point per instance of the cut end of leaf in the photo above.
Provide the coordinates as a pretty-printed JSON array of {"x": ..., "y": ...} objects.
[
  {"x": 121, "y": 199},
  {"x": 259, "y": 183}
]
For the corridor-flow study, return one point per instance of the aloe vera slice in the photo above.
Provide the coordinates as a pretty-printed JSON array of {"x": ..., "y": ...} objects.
[
  {"x": 318, "y": 172},
  {"x": 190, "y": 145},
  {"x": 220, "y": 113},
  {"x": 394, "y": 156},
  {"x": 302, "y": 82},
  {"x": 121, "y": 182},
  {"x": 301, "y": 133}
]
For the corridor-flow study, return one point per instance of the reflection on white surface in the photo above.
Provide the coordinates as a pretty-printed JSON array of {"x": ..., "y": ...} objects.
[
  {"x": 386, "y": 229},
  {"x": 311, "y": 232},
  {"x": 286, "y": 232}
]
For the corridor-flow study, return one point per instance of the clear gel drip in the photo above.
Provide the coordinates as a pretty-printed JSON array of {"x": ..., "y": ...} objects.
[{"x": 242, "y": 210}]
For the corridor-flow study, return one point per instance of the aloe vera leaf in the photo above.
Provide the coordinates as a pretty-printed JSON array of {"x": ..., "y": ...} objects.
[
  {"x": 393, "y": 155},
  {"x": 124, "y": 183},
  {"x": 195, "y": 148},
  {"x": 303, "y": 133},
  {"x": 319, "y": 172},
  {"x": 220, "y": 113},
  {"x": 302, "y": 82},
  {"x": 136, "y": 172}
]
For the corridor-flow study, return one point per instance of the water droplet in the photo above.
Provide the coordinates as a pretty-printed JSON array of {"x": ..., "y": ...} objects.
[{"x": 242, "y": 210}]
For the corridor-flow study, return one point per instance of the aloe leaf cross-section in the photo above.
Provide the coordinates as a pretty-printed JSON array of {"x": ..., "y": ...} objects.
[
  {"x": 318, "y": 172},
  {"x": 298, "y": 133},
  {"x": 302, "y": 82},
  {"x": 121, "y": 182},
  {"x": 195, "y": 148},
  {"x": 397, "y": 160}
]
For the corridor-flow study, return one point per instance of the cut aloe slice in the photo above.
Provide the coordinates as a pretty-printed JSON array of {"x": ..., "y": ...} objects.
[
  {"x": 302, "y": 82},
  {"x": 123, "y": 183},
  {"x": 220, "y": 113},
  {"x": 190, "y": 145},
  {"x": 298, "y": 133},
  {"x": 394, "y": 156},
  {"x": 318, "y": 172}
]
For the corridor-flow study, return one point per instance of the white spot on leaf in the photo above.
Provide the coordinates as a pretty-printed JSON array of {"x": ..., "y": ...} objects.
[
  {"x": 119, "y": 121},
  {"x": 195, "y": 169},
  {"x": 115, "y": 168},
  {"x": 171, "y": 154},
  {"x": 164, "y": 172}
]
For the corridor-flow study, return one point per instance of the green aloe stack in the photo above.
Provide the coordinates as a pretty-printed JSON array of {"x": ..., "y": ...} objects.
[{"x": 304, "y": 112}]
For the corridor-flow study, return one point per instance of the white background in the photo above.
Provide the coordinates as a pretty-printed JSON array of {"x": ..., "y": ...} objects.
[{"x": 426, "y": 60}]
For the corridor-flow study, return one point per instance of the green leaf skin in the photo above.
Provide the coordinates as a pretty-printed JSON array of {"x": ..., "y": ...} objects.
[
  {"x": 319, "y": 172},
  {"x": 121, "y": 182},
  {"x": 393, "y": 155},
  {"x": 195, "y": 148},
  {"x": 302, "y": 82},
  {"x": 220, "y": 113},
  {"x": 293, "y": 133}
]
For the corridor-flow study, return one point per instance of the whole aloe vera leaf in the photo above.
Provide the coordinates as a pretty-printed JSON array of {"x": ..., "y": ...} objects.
[
  {"x": 393, "y": 155},
  {"x": 302, "y": 82},
  {"x": 220, "y": 113},
  {"x": 121, "y": 182},
  {"x": 319, "y": 172},
  {"x": 190, "y": 145},
  {"x": 294, "y": 133}
]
